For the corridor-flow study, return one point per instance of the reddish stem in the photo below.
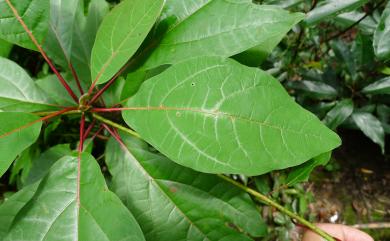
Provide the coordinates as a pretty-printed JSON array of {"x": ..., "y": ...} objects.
[
  {"x": 82, "y": 129},
  {"x": 108, "y": 84},
  {"x": 97, "y": 133},
  {"x": 76, "y": 78},
  {"x": 115, "y": 135},
  {"x": 30, "y": 34},
  {"x": 88, "y": 130},
  {"x": 39, "y": 120}
]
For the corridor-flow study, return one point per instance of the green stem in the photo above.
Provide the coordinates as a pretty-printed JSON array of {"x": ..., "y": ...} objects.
[
  {"x": 116, "y": 125},
  {"x": 284, "y": 210}
]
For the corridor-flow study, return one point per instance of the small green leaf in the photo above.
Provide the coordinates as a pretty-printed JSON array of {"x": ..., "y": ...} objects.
[
  {"x": 379, "y": 87},
  {"x": 217, "y": 116},
  {"x": 331, "y": 8},
  {"x": 382, "y": 35},
  {"x": 120, "y": 35},
  {"x": 338, "y": 114},
  {"x": 18, "y": 91},
  {"x": 64, "y": 210},
  {"x": 302, "y": 172},
  {"x": 172, "y": 202},
  {"x": 35, "y": 14},
  {"x": 371, "y": 127},
  {"x": 218, "y": 28},
  {"x": 14, "y": 138}
]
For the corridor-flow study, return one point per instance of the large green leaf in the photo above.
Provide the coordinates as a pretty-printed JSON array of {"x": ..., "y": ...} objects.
[
  {"x": 84, "y": 33},
  {"x": 120, "y": 35},
  {"x": 172, "y": 202},
  {"x": 371, "y": 127},
  {"x": 14, "y": 138},
  {"x": 379, "y": 87},
  {"x": 382, "y": 35},
  {"x": 217, "y": 116},
  {"x": 35, "y": 14},
  {"x": 61, "y": 211},
  {"x": 218, "y": 28},
  {"x": 58, "y": 43},
  {"x": 338, "y": 114},
  {"x": 332, "y": 8},
  {"x": 18, "y": 91}
]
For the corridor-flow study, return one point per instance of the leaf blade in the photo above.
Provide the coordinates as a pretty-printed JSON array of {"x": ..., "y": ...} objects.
[
  {"x": 57, "y": 209},
  {"x": 215, "y": 125},
  {"x": 161, "y": 194},
  {"x": 12, "y": 134},
  {"x": 115, "y": 44}
]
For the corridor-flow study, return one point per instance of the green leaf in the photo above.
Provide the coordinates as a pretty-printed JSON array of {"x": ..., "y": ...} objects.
[
  {"x": 58, "y": 43},
  {"x": 338, "y": 114},
  {"x": 14, "y": 138},
  {"x": 172, "y": 202},
  {"x": 59, "y": 212},
  {"x": 382, "y": 35},
  {"x": 84, "y": 34},
  {"x": 302, "y": 172},
  {"x": 12, "y": 206},
  {"x": 35, "y": 14},
  {"x": 371, "y": 127},
  {"x": 41, "y": 165},
  {"x": 18, "y": 91},
  {"x": 367, "y": 25},
  {"x": 314, "y": 89},
  {"x": 120, "y": 35},
  {"x": 332, "y": 8},
  {"x": 5, "y": 48},
  {"x": 218, "y": 28},
  {"x": 217, "y": 116},
  {"x": 379, "y": 87}
]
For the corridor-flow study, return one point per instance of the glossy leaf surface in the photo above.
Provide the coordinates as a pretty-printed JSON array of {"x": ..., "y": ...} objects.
[
  {"x": 60, "y": 212},
  {"x": 371, "y": 127},
  {"x": 379, "y": 87},
  {"x": 382, "y": 35},
  {"x": 18, "y": 91},
  {"x": 35, "y": 14},
  {"x": 218, "y": 28},
  {"x": 120, "y": 35},
  {"x": 338, "y": 114},
  {"x": 216, "y": 116},
  {"x": 14, "y": 138},
  {"x": 172, "y": 202},
  {"x": 331, "y": 8}
]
